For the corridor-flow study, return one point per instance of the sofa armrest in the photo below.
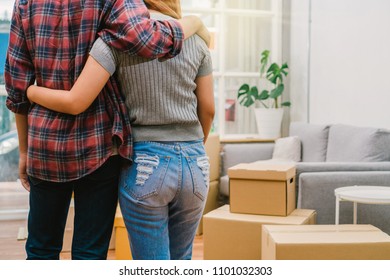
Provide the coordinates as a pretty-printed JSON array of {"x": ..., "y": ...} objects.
[
  {"x": 342, "y": 166},
  {"x": 224, "y": 185},
  {"x": 316, "y": 191},
  {"x": 310, "y": 167},
  {"x": 233, "y": 154}
]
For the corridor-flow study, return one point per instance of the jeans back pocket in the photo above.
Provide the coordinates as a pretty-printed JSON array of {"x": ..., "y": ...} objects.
[
  {"x": 200, "y": 172},
  {"x": 145, "y": 176}
]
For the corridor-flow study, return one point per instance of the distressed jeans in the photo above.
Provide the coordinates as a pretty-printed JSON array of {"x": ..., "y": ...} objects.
[{"x": 162, "y": 197}]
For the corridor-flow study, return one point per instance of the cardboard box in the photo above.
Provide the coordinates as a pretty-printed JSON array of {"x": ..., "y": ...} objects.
[
  {"x": 262, "y": 188},
  {"x": 325, "y": 242},
  {"x": 122, "y": 245},
  {"x": 68, "y": 234},
  {"x": 213, "y": 151},
  {"x": 211, "y": 203},
  {"x": 67, "y": 242},
  {"x": 232, "y": 236}
]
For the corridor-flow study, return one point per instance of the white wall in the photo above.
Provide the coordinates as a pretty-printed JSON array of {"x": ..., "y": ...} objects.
[
  {"x": 347, "y": 74},
  {"x": 298, "y": 61}
]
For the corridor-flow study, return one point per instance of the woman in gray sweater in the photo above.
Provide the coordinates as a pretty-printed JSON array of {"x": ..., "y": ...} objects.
[{"x": 171, "y": 107}]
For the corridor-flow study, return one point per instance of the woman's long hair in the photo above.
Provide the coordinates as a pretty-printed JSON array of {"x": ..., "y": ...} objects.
[{"x": 167, "y": 7}]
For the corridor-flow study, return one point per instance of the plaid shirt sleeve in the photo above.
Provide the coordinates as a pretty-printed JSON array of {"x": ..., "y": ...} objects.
[
  {"x": 19, "y": 70},
  {"x": 128, "y": 28}
]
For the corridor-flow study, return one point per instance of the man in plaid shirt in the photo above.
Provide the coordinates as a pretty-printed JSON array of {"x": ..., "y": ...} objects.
[{"x": 62, "y": 154}]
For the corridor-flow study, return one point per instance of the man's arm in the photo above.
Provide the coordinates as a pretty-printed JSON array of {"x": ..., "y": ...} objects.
[
  {"x": 19, "y": 74},
  {"x": 21, "y": 126},
  {"x": 19, "y": 71},
  {"x": 128, "y": 28}
]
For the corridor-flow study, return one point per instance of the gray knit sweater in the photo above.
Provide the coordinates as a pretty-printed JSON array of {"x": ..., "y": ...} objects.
[{"x": 159, "y": 93}]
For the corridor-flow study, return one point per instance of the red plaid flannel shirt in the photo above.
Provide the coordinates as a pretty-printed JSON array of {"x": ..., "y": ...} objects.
[{"x": 49, "y": 44}]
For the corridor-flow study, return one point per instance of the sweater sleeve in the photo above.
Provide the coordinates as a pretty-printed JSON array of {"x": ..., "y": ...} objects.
[
  {"x": 206, "y": 66},
  {"x": 102, "y": 53}
]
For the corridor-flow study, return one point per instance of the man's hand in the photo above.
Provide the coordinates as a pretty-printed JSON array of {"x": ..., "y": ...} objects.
[{"x": 22, "y": 171}]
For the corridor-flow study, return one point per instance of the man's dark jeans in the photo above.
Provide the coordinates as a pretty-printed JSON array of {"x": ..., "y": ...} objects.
[{"x": 95, "y": 202}]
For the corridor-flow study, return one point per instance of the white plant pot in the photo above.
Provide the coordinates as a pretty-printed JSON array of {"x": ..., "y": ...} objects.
[{"x": 269, "y": 122}]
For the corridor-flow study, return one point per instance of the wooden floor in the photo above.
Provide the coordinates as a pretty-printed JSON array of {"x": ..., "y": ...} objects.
[{"x": 14, "y": 198}]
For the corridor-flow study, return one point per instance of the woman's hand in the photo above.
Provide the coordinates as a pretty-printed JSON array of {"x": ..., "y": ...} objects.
[{"x": 193, "y": 24}]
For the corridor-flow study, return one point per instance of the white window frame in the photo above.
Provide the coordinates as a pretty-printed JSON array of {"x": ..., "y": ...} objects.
[{"x": 274, "y": 15}]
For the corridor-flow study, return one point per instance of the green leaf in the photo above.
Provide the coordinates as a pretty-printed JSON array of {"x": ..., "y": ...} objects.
[
  {"x": 247, "y": 95},
  {"x": 264, "y": 95},
  {"x": 254, "y": 92},
  {"x": 273, "y": 73},
  {"x": 284, "y": 66},
  {"x": 276, "y": 92},
  {"x": 264, "y": 57},
  {"x": 264, "y": 61},
  {"x": 243, "y": 90},
  {"x": 286, "y": 104},
  {"x": 283, "y": 69},
  {"x": 247, "y": 102}
]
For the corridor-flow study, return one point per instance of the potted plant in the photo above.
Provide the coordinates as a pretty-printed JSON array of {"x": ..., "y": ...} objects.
[{"x": 268, "y": 109}]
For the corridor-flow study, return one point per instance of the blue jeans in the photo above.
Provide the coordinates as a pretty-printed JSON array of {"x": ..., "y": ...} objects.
[
  {"x": 162, "y": 197},
  {"x": 95, "y": 202}
]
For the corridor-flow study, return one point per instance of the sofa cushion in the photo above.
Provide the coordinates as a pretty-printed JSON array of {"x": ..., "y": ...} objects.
[
  {"x": 314, "y": 140},
  {"x": 236, "y": 153},
  {"x": 349, "y": 143},
  {"x": 287, "y": 148}
]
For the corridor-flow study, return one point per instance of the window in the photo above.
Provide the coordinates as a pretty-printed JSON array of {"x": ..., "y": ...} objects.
[{"x": 241, "y": 31}]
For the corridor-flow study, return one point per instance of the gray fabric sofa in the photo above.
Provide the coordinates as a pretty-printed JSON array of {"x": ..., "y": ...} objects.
[{"x": 332, "y": 156}]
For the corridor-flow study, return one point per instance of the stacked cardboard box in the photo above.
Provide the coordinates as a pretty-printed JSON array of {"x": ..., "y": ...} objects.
[
  {"x": 68, "y": 234},
  {"x": 325, "y": 242},
  {"x": 122, "y": 245},
  {"x": 260, "y": 194},
  {"x": 232, "y": 236},
  {"x": 262, "y": 188},
  {"x": 262, "y": 223},
  {"x": 213, "y": 148},
  {"x": 211, "y": 203}
]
